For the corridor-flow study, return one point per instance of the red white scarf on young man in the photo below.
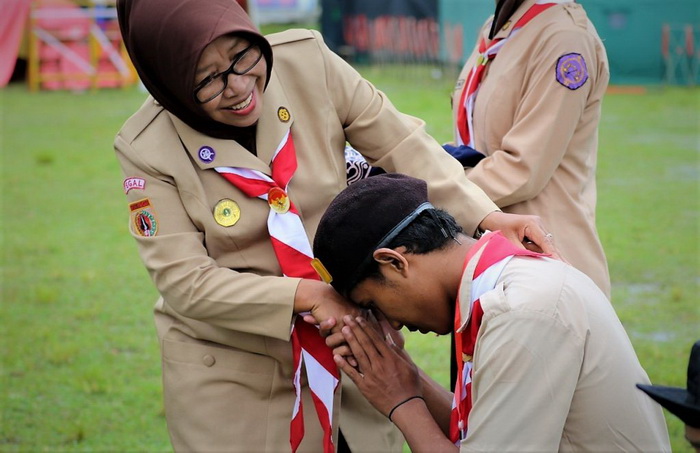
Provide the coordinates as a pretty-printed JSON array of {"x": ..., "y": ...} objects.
[
  {"x": 487, "y": 52},
  {"x": 294, "y": 254},
  {"x": 485, "y": 262}
]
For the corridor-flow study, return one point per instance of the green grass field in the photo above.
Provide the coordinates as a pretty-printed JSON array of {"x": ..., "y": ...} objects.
[{"x": 80, "y": 362}]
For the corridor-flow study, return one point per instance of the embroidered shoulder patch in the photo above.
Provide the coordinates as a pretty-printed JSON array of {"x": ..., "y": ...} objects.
[
  {"x": 143, "y": 218},
  {"x": 571, "y": 71},
  {"x": 134, "y": 183}
]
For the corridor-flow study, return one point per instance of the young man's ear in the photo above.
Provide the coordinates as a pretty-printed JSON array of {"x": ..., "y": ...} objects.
[{"x": 391, "y": 258}]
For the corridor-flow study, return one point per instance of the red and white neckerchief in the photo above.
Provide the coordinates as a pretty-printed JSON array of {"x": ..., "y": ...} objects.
[
  {"x": 294, "y": 254},
  {"x": 486, "y": 260},
  {"x": 464, "y": 134}
]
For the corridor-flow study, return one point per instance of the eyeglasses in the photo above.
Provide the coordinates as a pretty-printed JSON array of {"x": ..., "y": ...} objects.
[{"x": 215, "y": 84}]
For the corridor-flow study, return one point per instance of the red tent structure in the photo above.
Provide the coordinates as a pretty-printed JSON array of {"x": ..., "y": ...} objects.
[{"x": 68, "y": 44}]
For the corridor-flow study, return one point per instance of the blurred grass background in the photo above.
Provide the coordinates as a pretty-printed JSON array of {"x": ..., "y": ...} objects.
[{"x": 80, "y": 362}]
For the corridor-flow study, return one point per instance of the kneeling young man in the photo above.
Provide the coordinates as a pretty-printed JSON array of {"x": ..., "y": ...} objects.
[{"x": 544, "y": 363}]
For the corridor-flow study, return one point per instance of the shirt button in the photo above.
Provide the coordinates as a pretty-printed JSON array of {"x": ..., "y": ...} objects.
[{"x": 208, "y": 360}]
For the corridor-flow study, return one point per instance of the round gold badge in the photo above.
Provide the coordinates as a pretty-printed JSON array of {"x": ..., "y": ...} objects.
[
  {"x": 278, "y": 200},
  {"x": 227, "y": 212},
  {"x": 283, "y": 114}
]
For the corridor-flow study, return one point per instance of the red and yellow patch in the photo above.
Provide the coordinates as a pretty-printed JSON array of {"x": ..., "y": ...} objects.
[{"x": 143, "y": 218}]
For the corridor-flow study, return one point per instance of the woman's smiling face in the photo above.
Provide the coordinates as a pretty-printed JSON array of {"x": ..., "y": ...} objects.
[{"x": 240, "y": 104}]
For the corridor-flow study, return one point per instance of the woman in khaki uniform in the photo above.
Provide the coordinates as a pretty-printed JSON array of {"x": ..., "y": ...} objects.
[
  {"x": 226, "y": 311},
  {"x": 535, "y": 115}
]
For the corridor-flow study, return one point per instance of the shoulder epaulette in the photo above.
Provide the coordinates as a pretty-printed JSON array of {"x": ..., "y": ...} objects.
[
  {"x": 292, "y": 35},
  {"x": 140, "y": 120}
]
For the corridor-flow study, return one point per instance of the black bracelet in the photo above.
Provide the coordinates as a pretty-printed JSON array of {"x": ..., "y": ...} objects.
[{"x": 403, "y": 402}]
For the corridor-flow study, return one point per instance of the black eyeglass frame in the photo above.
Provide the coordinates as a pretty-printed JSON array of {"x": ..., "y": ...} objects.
[{"x": 224, "y": 74}]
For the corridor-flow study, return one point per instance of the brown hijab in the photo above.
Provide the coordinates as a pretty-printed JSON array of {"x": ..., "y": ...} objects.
[{"x": 165, "y": 39}]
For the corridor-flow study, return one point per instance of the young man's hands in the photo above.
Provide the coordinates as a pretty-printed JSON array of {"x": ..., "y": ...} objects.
[{"x": 384, "y": 372}]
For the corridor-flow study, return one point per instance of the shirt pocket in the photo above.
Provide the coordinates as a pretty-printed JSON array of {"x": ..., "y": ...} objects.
[{"x": 182, "y": 349}]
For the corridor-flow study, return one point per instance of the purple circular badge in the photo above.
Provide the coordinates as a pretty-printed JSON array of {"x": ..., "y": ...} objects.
[
  {"x": 207, "y": 154},
  {"x": 572, "y": 71}
]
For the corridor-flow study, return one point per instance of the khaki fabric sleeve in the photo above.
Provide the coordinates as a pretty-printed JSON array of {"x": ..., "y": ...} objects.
[
  {"x": 546, "y": 119},
  {"x": 399, "y": 143}
]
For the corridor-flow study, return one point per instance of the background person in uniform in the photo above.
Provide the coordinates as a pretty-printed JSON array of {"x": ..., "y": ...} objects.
[
  {"x": 526, "y": 109},
  {"x": 228, "y": 168},
  {"x": 545, "y": 363},
  {"x": 684, "y": 403}
]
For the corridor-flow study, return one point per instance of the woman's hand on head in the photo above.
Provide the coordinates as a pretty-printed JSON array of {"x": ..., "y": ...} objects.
[{"x": 523, "y": 230}]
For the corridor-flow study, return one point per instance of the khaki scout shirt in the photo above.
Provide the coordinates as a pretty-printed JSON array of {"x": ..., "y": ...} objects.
[
  {"x": 554, "y": 369},
  {"x": 540, "y": 133},
  {"x": 222, "y": 284}
]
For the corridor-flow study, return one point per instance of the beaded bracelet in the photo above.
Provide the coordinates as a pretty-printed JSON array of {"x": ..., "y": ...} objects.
[{"x": 403, "y": 402}]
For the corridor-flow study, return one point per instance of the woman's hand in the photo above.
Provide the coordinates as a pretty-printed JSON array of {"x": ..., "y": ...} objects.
[
  {"x": 319, "y": 302},
  {"x": 523, "y": 230},
  {"x": 383, "y": 373}
]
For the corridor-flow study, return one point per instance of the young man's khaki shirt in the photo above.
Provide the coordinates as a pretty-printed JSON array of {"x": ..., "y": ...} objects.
[{"x": 554, "y": 369}]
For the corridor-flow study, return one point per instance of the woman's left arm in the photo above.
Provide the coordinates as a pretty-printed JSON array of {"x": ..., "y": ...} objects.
[{"x": 399, "y": 143}]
